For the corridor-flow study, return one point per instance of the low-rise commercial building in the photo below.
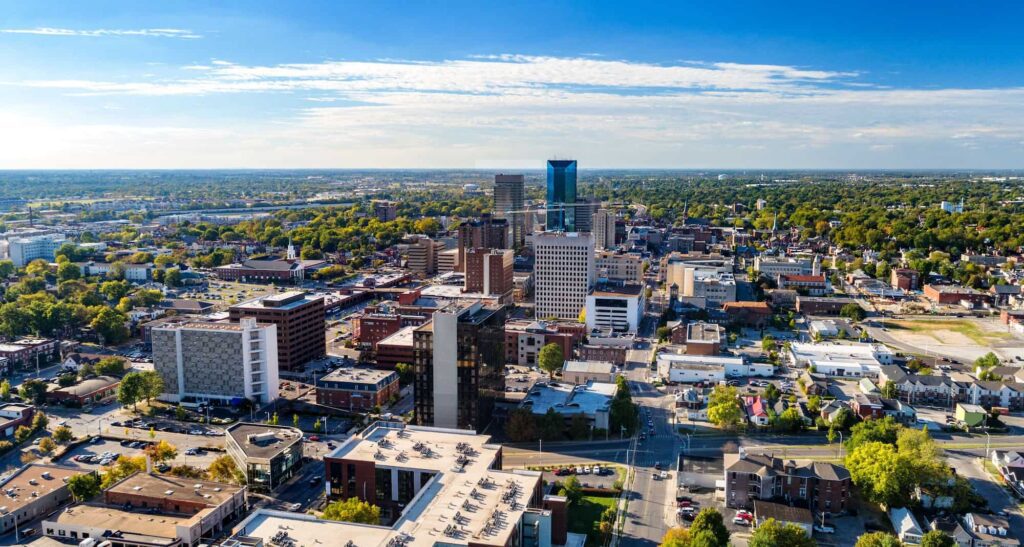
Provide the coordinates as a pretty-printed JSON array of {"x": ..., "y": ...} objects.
[
  {"x": 581, "y": 372},
  {"x": 955, "y": 294},
  {"x": 591, "y": 400},
  {"x": 92, "y": 391},
  {"x": 524, "y": 339},
  {"x": 849, "y": 360},
  {"x": 814, "y": 285},
  {"x": 688, "y": 369},
  {"x": 13, "y": 416},
  {"x": 703, "y": 339},
  {"x": 33, "y": 491},
  {"x": 357, "y": 388},
  {"x": 268, "y": 454},
  {"x": 395, "y": 349},
  {"x": 822, "y": 305}
]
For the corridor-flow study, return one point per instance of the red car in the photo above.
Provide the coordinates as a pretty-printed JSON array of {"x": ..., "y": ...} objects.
[{"x": 314, "y": 438}]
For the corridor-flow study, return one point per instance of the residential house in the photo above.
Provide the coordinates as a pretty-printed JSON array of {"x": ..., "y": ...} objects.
[
  {"x": 867, "y": 406},
  {"x": 996, "y": 394},
  {"x": 990, "y": 530},
  {"x": 756, "y": 409},
  {"x": 905, "y": 525},
  {"x": 918, "y": 389}
]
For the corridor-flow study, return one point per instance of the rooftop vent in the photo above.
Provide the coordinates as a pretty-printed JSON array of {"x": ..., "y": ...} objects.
[{"x": 168, "y": 492}]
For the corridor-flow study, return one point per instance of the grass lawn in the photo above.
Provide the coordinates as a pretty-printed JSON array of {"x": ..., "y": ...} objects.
[
  {"x": 934, "y": 329},
  {"x": 585, "y": 517}
]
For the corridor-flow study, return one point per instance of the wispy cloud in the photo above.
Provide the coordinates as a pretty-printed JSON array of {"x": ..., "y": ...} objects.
[
  {"x": 617, "y": 112},
  {"x": 98, "y": 33}
]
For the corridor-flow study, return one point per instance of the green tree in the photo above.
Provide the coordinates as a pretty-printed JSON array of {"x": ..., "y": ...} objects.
[
  {"x": 47, "y": 446},
  {"x": 772, "y": 533},
  {"x": 32, "y": 390},
  {"x": 22, "y": 434},
  {"x": 295, "y": 421},
  {"x": 663, "y": 333},
  {"x": 37, "y": 268},
  {"x": 68, "y": 270},
  {"x": 878, "y": 539},
  {"x": 84, "y": 486},
  {"x": 172, "y": 277},
  {"x": 772, "y": 392},
  {"x": 521, "y": 425},
  {"x": 110, "y": 324},
  {"x": 579, "y": 427},
  {"x": 123, "y": 467},
  {"x": 62, "y": 434},
  {"x": 789, "y": 420},
  {"x": 724, "y": 408},
  {"x": 352, "y": 510},
  {"x": 767, "y": 343},
  {"x": 889, "y": 390},
  {"x": 550, "y": 359},
  {"x": 153, "y": 385},
  {"x": 40, "y": 420},
  {"x": 882, "y": 475},
  {"x": 5, "y": 390},
  {"x": 6, "y": 268},
  {"x": 710, "y": 521},
  {"x": 161, "y": 451},
  {"x": 132, "y": 389},
  {"x": 676, "y": 537},
  {"x": 110, "y": 366},
  {"x": 551, "y": 425},
  {"x": 572, "y": 490},
  {"x": 114, "y": 290},
  {"x": 224, "y": 469},
  {"x": 406, "y": 374},
  {"x": 937, "y": 538},
  {"x": 885, "y": 431},
  {"x": 853, "y": 312}
]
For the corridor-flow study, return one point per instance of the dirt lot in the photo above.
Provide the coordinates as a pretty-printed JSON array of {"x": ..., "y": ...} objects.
[{"x": 965, "y": 338}]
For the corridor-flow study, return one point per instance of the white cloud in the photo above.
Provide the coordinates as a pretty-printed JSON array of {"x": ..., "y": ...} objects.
[
  {"x": 607, "y": 112},
  {"x": 96, "y": 33}
]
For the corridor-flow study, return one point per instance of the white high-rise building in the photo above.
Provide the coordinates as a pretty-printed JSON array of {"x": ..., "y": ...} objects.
[
  {"x": 23, "y": 250},
  {"x": 604, "y": 229},
  {"x": 563, "y": 273},
  {"x": 219, "y": 361}
]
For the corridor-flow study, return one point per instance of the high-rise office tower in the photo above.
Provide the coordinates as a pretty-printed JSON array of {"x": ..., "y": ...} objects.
[
  {"x": 486, "y": 233},
  {"x": 509, "y": 203},
  {"x": 585, "y": 210},
  {"x": 561, "y": 195},
  {"x": 563, "y": 272},
  {"x": 604, "y": 229},
  {"x": 459, "y": 360}
]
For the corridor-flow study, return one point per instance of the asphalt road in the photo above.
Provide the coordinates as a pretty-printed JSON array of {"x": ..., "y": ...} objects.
[{"x": 968, "y": 464}]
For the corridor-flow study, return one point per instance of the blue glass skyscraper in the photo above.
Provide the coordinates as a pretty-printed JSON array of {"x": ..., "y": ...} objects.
[{"x": 562, "y": 195}]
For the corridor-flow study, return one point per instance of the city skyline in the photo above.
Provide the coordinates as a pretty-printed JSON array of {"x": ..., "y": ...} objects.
[{"x": 743, "y": 86}]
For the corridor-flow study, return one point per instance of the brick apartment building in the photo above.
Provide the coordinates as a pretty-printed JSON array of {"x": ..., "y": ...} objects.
[
  {"x": 300, "y": 322},
  {"x": 904, "y": 278},
  {"x": 357, "y": 388},
  {"x": 820, "y": 487}
]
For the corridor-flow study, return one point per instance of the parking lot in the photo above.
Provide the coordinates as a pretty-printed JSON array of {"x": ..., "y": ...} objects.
[
  {"x": 605, "y": 479},
  {"x": 89, "y": 455},
  {"x": 518, "y": 380}
]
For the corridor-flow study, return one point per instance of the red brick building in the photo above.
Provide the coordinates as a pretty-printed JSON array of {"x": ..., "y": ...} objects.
[
  {"x": 904, "y": 278},
  {"x": 489, "y": 272},
  {"x": 357, "y": 388},
  {"x": 820, "y": 487},
  {"x": 954, "y": 294},
  {"x": 301, "y": 325}
]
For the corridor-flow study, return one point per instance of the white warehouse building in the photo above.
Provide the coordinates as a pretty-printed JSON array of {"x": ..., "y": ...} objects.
[
  {"x": 688, "y": 369},
  {"x": 847, "y": 360}
]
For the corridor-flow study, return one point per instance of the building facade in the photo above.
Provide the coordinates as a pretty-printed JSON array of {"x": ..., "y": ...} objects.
[
  {"x": 357, "y": 388},
  {"x": 300, "y": 321},
  {"x": 561, "y": 195},
  {"x": 510, "y": 204},
  {"x": 269, "y": 455},
  {"x": 204, "y": 361},
  {"x": 459, "y": 363},
  {"x": 490, "y": 272},
  {"x": 563, "y": 273}
]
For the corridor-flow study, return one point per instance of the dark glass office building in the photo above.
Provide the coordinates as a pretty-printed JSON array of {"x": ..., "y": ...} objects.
[{"x": 562, "y": 195}]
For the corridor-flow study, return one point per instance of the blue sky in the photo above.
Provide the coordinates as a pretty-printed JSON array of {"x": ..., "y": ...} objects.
[{"x": 102, "y": 84}]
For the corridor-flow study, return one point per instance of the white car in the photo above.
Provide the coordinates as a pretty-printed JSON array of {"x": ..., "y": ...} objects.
[{"x": 740, "y": 521}]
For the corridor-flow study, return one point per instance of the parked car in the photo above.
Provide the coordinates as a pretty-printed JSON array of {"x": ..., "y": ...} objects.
[
  {"x": 741, "y": 522},
  {"x": 823, "y": 529}
]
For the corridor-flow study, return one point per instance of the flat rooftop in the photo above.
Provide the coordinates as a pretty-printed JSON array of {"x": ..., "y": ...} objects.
[
  {"x": 403, "y": 337},
  {"x": 141, "y": 526},
  {"x": 569, "y": 399},
  {"x": 283, "y": 437},
  {"x": 307, "y": 530},
  {"x": 703, "y": 332},
  {"x": 31, "y": 479},
  {"x": 465, "y": 502},
  {"x": 281, "y": 301},
  {"x": 698, "y": 360},
  {"x": 590, "y": 367},
  {"x": 613, "y": 290},
  {"x": 176, "y": 488},
  {"x": 357, "y": 375},
  {"x": 862, "y": 353}
]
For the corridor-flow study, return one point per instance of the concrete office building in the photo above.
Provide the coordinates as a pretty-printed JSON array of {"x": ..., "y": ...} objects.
[
  {"x": 604, "y": 229},
  {"x": 510, "y": 204},
  {"x": 619, "y": 266},
  {"x": 422, "y": 254},
  {"x": 706, "y": 288},
  {"x": 459, "y": 363},
  {"x": 773, "y": 267},
  {"x": 617, "y": 306},
  {"x": 564, "y": 273},
  {"x": 561, "y": 195},
  {"x": 23, "y": 250},
  {"x": 204, "y": 361},
  {"x": 300, "y": 321},
  {"x": 269, "y": 455},
  {"x": 585, "y": 210}
]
